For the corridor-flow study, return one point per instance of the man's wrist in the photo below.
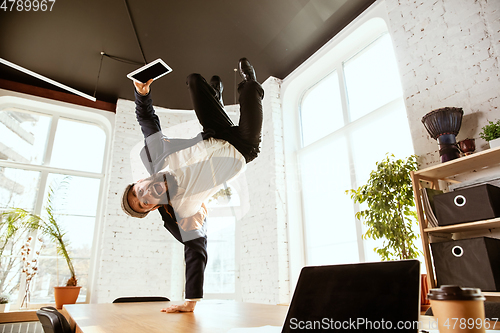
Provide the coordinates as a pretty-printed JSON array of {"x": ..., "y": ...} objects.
[{"x": 140, "y": 94}]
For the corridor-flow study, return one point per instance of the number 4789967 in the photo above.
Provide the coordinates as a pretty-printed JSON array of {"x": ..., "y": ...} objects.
[{"x": 27, "y": 5}]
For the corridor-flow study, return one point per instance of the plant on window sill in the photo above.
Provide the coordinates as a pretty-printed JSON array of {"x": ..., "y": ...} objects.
[
  {"x": 389, "y": 196},
  {"x": 20, "y": 218}
]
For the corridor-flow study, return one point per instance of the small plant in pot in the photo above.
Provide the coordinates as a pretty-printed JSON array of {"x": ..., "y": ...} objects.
[
  {"x": 491, "y": 133},
  {"x": 4, "y": 300}
]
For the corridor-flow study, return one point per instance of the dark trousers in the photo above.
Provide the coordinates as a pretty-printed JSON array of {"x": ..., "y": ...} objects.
[{"x": 211, "y": 114}]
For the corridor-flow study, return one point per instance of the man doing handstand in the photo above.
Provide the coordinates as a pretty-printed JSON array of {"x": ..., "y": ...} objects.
[{"x": 186, "y": 172}]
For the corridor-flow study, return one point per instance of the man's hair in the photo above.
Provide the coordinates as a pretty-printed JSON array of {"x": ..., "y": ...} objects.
[{"x": 171, "y": 186}]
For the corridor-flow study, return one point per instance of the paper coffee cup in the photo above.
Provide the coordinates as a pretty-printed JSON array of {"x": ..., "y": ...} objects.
[{"x": 458, "y": 309}]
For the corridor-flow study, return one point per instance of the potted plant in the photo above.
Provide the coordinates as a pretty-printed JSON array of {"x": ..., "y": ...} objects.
[
  {"x": 491, "y": 133},
  {"x": 4, "y": 300},
  {"x": 389, "y": 215},
  {"x": 67, "y": 294}
]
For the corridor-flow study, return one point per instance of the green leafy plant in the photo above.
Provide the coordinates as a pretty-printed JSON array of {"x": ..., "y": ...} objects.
[
  {"x": 389, "y": 216},
  {"x": 491, "y": 131},
  {"x": 4, "y": 300},
  {"x": 20, "y": 218}
]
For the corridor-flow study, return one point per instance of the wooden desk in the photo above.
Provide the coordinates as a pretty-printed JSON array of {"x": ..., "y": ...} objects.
[{"x": 209, "y": 316}]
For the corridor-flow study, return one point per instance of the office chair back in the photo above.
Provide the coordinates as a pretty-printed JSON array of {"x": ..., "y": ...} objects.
[
  {"x": 53, "y": 321},
  {"x": 141, "y": 299}
]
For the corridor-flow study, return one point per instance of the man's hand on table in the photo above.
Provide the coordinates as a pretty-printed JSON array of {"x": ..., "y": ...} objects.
[{"x": 188, "y": 306}]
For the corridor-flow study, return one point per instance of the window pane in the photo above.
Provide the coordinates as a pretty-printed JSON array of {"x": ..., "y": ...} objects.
[
  {"x": 328, "y": 211},
  {"x": 74, "y": 204},
  {"x": 372, "y": 78},
  {"x": 18, "y": 188},
  {"x": 11, "y": 264},
  {"x": 389, "y": 133},
  {"x": 24, "y": 136},
  {"x": 220, "y": 271},
  {"x": 321, "y": 110},
  {"x": 78, "y": 146},
  {"x": 78, "y": 195}
]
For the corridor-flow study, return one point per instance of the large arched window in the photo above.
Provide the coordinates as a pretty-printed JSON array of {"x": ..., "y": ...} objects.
[
  {"x": 349, "y": 113},
  {"x": 46, "y": 147}
]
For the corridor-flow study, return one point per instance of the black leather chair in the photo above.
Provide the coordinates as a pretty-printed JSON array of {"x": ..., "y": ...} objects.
[
  {"x": 141, "y": 299},
  {"x": 52, "y": 320}
]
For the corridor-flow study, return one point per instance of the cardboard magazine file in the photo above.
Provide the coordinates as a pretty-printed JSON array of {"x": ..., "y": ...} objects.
[
  {"x": 477, "y": 203},
  {"x": 471, "y": 263}
]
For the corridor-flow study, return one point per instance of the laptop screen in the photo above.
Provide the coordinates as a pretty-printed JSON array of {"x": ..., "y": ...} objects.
[{"x": 366, "y": 297}]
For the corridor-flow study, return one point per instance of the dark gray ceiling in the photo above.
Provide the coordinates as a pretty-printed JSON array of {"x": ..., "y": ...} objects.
[{"x": 203, "y": 36}]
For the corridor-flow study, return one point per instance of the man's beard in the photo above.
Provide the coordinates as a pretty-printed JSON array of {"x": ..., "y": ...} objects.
[{"x": 170, "y": 186}]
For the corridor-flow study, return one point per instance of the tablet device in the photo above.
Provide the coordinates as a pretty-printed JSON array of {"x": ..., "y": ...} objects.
[{"x": 153, "y": 70}]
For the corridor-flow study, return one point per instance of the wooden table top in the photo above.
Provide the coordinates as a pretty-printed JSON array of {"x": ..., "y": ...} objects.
[{"x": 209, "y": 316}]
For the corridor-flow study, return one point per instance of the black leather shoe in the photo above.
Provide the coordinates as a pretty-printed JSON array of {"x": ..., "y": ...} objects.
[
  {"x": 246, "y": 70},
  {"x": 216, "y": 83}
]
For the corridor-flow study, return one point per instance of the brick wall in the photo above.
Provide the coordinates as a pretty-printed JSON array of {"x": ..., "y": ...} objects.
[
  {"x": 448, "y": 55},
  {"x": 264, "y": 247},
  {"x": 139, "y": 257}
]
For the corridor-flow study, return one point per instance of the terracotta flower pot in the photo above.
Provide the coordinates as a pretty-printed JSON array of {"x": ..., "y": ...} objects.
[
  {"x": 66, "y": 295},
  {"x": 467, "y": 146}
]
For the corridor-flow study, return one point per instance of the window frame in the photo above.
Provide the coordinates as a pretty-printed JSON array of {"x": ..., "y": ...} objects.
[
  {"x": 359, "y": 34},
  {"x": 57, "y": 110}
]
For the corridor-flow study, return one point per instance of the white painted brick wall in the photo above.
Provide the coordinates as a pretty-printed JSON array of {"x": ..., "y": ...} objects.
[
  {"x": 448, "y": 55},
  {"x": 139, "y": 257},
  {"x": 264, "y": 252}
]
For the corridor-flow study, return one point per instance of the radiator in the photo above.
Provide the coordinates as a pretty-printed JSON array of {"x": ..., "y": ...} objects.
[{"x": 24, "y": 327}]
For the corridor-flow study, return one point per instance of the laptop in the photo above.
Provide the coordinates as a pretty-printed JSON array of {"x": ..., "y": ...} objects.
[{"x": 365, "y": 297}]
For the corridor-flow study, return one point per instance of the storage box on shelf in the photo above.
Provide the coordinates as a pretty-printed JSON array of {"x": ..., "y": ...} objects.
[{"x": 445, "y": 172}]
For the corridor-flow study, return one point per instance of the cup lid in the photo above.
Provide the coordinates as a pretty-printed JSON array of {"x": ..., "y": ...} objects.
[{"x": 448, "y": 292}]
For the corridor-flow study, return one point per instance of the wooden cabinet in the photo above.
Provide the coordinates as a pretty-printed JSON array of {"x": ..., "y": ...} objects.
[{"x": 446, "y": 172}]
